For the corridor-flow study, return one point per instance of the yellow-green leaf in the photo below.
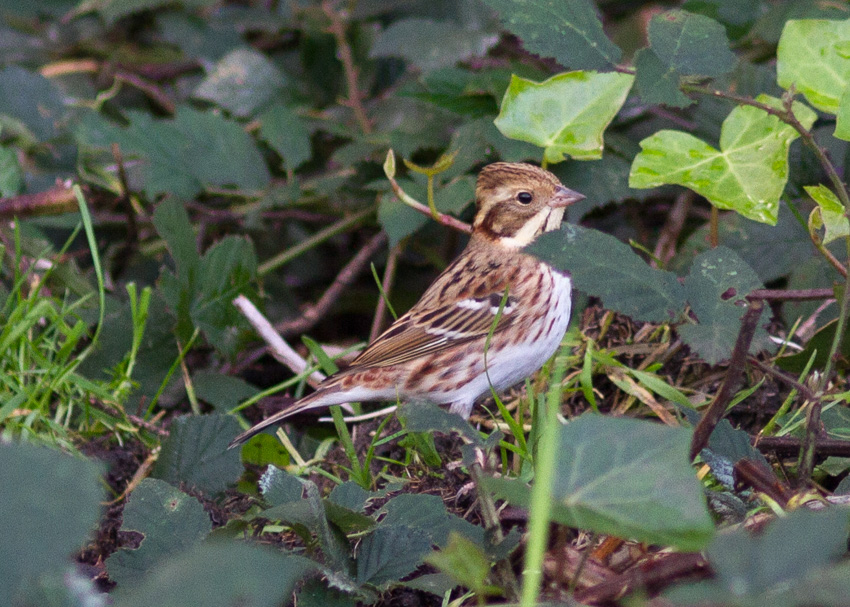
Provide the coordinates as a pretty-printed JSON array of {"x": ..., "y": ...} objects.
[
  {"x": 566, "y": 115},
  {"x": 830, "y": 211}
]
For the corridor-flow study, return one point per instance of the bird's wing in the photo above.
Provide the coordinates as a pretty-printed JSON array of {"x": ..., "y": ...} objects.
[{"x": 425, "y": 330}]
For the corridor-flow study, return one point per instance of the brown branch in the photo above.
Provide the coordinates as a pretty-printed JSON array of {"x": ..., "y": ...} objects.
[
  {"x": 346, "y": 276},
  {"x": 355, "y": 100},
  {"x": 784, "y": 378},
  {"x": 717, "y": 408},
  {"x": 58, "y": 199},
  {"x": 652, "y": 573},
  {"x": 665, "y": 248},
  {"x": 753, "y": 473},
  {"x": 790, "y": 445},
  {"x": 150, "y": 89},
  {"x": 792, "y": 294}
]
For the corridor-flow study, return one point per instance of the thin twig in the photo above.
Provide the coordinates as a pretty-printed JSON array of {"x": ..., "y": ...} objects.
[
  {"x": 790, "y": 445},
  {"x": 792, "y": 294},
  {"x": 784, "y": 378},
  {"x": 737, "y": 363},
  {"x": 278, "y": 348},
  {"x": 346, "y": 276},
  {"x": 386, "y": 286},
  {"x": 442, "y": 218},
  {"x": 665, "y": 248},
  {"x": 355, "y": 99}
]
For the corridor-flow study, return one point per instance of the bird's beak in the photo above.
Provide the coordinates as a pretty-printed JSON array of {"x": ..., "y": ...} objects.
[{"x": 564, "y": 197}]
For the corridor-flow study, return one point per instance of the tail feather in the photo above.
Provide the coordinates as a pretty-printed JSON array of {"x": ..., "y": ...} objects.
[{"x": 314, "y": 400}]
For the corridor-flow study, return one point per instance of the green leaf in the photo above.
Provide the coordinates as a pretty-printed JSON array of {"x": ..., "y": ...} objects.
[
  {"x": 220, "y": 575},
  {"x": 11, "y": 175},
  {"x": 830, "y": 212},
  {"x": 566, "y": 115},
  {"x": 812, "y": 56},
  {"x": 767, "y": 569},
  {"x": 396, "y": 218},
  {"x": 716, "y": 288},
  {"x": 196, "y": 453},
  {"x": 112, "y": 10},
  {"x": 819, "y": 345},
  {"x": 427, "y": 417},
  {"x": 224, "y": 392},
  {"x": 242, "y": 82},
  {"x": 190, "y": 152},
  {"x": 624, "y": 477},
  {"x": 172, "y": 223},
  {"x": 430, "y": 44},
  {"x": 49, "y": 506},
  {"x": 747, "y": 174},
  {"x": 657, "y": 82},
  {"x": 571, "y": 32},
  {"x": 692, "y": 45},
  {"x": 389, "y": 553},
  {"x": 169, "y": 522},
  {"x": 464, "y": 562},
  {"x": 33, "y": 100},
  {"x": 282, "y": 129},
  {"x": 602, "y": 266},
  {"x": 279, "y": 487}
]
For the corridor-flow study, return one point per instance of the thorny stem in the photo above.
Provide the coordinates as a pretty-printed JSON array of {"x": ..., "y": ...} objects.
[{"x": 346, "y": 57}]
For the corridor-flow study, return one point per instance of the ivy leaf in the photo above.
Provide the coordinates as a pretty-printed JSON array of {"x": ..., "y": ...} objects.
[
  {"x": 829, "y": 212},
  {"x": 571, "y": 32},
  {"x": 689, "y": 44},
  {"x": 624, "y": 477},
  {"x": 243, "y": 81},
  {"x": 747, "y": 174},
  {"x": 566, "y": 114},
  {"x": 657, "y": 82},
  {"x": 813, "y": 57},
  {"x": 602, "y": 266},
  {"x": 716, "y": 289}
]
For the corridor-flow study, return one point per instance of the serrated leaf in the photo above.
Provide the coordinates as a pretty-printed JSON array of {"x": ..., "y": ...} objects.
[
  {"x": 657, "y": 82},
  {"x": 389, "y": 553},
  {"x": 196, "y": 453},
  {"x": 716, "y": 289},
  {"x": 566, "y": 115},
  {"x": 49, "y": 506},
  {"x": 221, "y": 575},
  {"x": 430, "y": 44},
  {"x": 192, "y": 151},
  {"x": 748, "y": 173},
  {"x": 810, "y": 57},
  {"x": 279, "y": 487},
  {"x": 282, "y": 129},
  {"x": 766, "y": 569},
  {"x": 571, "y": 32},
  {"x": 169, "y": 521},
  {"x": 223, "y": 392},
  {"x": 692, "y": 45},
  {"x": 624, "y": 477},
  {"x": 602, "y": 266},
  {"x": 351, "y": 496},
  {"x": 830, "y": 211},
  {"x": 242, "y": 82}
]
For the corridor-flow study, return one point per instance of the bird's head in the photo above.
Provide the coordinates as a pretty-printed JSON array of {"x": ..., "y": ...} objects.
[{"x": 517, "y": 202}]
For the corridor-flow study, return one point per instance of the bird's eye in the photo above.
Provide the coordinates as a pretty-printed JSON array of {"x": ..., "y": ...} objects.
[{"x": 524, "y": 197}]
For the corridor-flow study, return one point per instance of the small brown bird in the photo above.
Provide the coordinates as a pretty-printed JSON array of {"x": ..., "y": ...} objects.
[{"x": 436, "y": 352}]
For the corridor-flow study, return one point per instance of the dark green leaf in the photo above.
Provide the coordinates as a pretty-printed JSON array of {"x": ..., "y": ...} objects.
[
  {"x": 389, "y": 553},
  {"x": 196, "y": 453},
  {"x": 818, "y": 346},
  {"x": 221, "y": 575},
  {"x": 604, "y": 267},
  {"x": 425, "y": 417},
  {"x": 169, "y": 522},
  {"x": 223, "y": 392},
  {"x": 431, "y": 44},
  {"x": 726, "y": 447},
  {"x": 49, "y": 506},
  {"x": 692, "y": 45},
  {"x": 282, "y": 129},
  {"x": 624, "y": 477},
  {"x": 657, "y": 82},
  {"x": 464, "y": 562},
  {"x": 33, "y": 100},
  {"x": 571, "y": 32},
  {"x": 242, "y": 82},
  {"x": 279, "y": 487},
  {"x": 350, "y": 495},
  {"x": 716, "y": 289}
]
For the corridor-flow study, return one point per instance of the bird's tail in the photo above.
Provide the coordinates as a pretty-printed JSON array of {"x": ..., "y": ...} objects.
[{"x": 315, "y": 400}]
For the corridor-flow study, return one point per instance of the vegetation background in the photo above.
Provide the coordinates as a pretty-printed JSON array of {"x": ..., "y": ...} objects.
[{"x": 317, "y": 159}]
